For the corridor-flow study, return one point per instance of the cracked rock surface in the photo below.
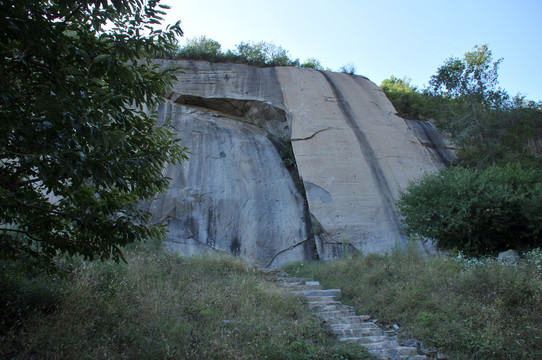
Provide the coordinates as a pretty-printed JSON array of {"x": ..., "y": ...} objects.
[{"x": 351, "y": 154}]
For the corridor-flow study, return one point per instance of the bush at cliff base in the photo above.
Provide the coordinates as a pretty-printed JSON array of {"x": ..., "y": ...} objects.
[{"x": 476, "y": 211}]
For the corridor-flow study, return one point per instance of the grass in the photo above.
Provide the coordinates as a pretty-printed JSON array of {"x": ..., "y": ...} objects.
[
  {"x": 467, "y": 308},
  {"x": 160, "y": 306}
]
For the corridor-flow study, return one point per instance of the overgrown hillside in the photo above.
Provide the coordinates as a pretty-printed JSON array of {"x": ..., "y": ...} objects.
[
  {"x": 159, "y": 306},
  {"x": 466, "y": 308}
]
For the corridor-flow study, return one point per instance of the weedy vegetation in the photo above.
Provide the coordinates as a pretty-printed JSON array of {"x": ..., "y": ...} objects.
[
  {"x": 468, "y": 308},
  {"x": 160, "y": 306}
]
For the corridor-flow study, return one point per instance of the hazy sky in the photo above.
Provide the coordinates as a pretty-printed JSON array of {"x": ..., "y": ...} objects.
[{"x": 381, "y": 37}]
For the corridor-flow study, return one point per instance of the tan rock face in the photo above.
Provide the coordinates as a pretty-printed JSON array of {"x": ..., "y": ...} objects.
[
  {"x": 353, "y": 155},
  {"x": 235, "y": 195}
]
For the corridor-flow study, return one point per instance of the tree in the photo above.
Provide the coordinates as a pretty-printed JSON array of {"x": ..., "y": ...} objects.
[
  {"x": 201, "y": 48},
  {"x": 407, "y": 100},
  {"x": 348, "y": 69},
  {"x": 264, "y": 54},
  {"x": 313, "y": 63},
  {"x": 80, "y": 145},
  {"x": 475, "y": 103},
  {"x": 476, "y": 211}
]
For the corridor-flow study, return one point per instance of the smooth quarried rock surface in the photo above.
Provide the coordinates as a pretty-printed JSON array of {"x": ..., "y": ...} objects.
[
  {"x": 353, "y": 154},
  {"x": 235, "y": 194}
]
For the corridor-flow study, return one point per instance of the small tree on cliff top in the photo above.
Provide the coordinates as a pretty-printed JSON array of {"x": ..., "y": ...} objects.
[
  {"x": 476, "y": 102},
  {"x": 78, "y": 147}
]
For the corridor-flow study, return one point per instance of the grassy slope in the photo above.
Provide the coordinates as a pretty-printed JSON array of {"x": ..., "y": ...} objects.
[
  {"x": 161, "y": 306},
  {"x": 470, "y": 309}
]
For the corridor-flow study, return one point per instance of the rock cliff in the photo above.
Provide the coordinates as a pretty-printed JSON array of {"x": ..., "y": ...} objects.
[{"x": 235, "y": 194}]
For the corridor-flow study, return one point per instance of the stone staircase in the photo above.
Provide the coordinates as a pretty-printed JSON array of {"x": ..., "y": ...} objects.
[{"x": 345, "y": 324}]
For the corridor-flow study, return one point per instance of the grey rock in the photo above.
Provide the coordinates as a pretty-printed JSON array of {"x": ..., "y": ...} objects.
[
  {"x": 235, "y": 195},
  {"x": 509, "y": 256}
]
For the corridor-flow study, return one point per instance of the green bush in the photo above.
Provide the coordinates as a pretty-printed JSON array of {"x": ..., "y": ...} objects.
[
  {"x": 260, "y": 54},
  {"x": 201, "y": 48},
  {"x": 475, "y": 211},
  {"x": 312, "y": 63},
  {"x": 407, "y": 100},
  {"x": 265, "y": 54}
]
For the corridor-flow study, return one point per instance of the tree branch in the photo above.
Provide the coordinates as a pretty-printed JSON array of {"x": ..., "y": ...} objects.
[
  {"x": 21, "y": 232},
  {"x": 76, "y": 10},
  {"x": 35, "y": 208}
]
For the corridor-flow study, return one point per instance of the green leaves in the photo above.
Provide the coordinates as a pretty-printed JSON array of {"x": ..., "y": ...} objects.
[
  {"x": 407, "y": 100},
  {"x": 480, "y": 117},
  {"x": 475, "y": 211},
  {"x": 77, "y": 152}
]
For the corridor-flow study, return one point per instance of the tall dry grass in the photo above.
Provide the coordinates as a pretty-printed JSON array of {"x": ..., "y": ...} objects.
[
  {"x": 469, "y": 308},
  {"x": 162, "y": 306}
]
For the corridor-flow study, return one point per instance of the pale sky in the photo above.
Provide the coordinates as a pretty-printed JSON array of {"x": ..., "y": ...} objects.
[{"x": 409, "y": 38}]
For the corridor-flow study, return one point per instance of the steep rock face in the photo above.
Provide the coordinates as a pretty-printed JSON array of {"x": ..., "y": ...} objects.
[
  {"x": 235, "y": 195},
  {"x": 353, "y": 154},
  {"x": 442, "y": 151}
]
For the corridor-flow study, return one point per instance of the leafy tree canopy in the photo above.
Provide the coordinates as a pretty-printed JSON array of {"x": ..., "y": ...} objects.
[
  {"x": 79, "y": 144},
  {"x": 313, "y": 63},
  {"x": 489, "y": 126},
  {"x": 201, "y": 48},
  {"x": 473, "y": 78}
]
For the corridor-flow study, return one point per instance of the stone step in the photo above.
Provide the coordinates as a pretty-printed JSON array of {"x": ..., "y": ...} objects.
[
  {"x": 359, "y": 325},
  {"x": 348, "y": 319},
  {"x": 287, "y": 279},
  {"x": 324, "y": 306},
  {"x": 369, "y": 340},
  {"x": 315, "y": 299},
  {"x": 297, "y": 287},
  {"x": 308, "y": 282},
  {"x": 357, "y": 332},
  {"x": 317, "y": 293},
  {"x": 345, "y": 308},
  {"x": 380, "y": 345},
  {"x": 345, "y": 324},
  {"x": 336, "y": 314},
  {"x": 398, "y": 352},
  {"x": 323, "y": 301}
]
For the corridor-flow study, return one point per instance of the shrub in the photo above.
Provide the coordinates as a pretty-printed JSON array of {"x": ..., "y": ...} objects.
[
  {"x": 475, "y": 211},
  {"x": 260, "y": 54},
  {"x": 265, "y": 54},
  {"x": 407, "y": 100},
  {"x": 201, "y": 48},
  {"x": 312, "y": 63},
  {"x": 348, "y": 69}
]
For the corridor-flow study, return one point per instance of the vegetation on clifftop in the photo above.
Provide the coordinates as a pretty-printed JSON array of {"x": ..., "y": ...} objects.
[
  {"x": 489, "y": 200},
  {"x": 252, "y": 53}
]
